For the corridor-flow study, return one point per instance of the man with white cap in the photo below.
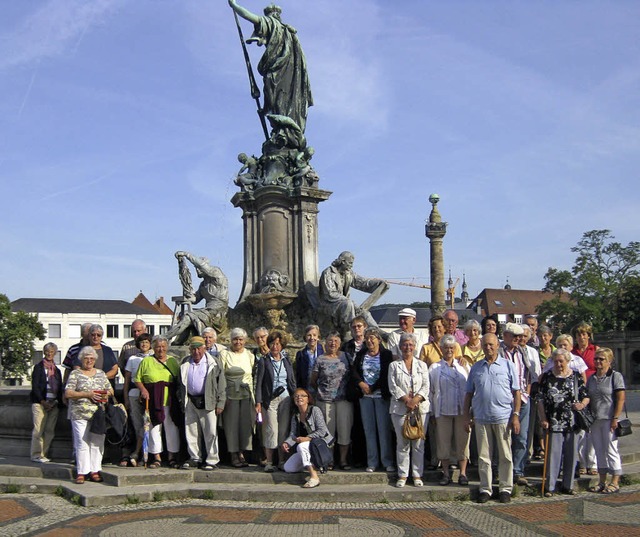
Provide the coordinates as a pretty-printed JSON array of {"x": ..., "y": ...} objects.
[
  {"x": 406, "y": 322},
  {"x": 510, "y": 349},
  {"x": 202, "y": 392}
]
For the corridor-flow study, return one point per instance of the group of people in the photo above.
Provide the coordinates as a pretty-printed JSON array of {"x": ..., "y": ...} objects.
[{"x": 510, "y": 385}]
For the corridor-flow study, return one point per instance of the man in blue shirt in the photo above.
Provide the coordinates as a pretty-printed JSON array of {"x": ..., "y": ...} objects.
[{"x": 493, "y": 391}]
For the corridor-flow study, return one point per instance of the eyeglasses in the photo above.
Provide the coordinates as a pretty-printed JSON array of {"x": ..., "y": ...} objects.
[
  {"x": 599, "y": 359},
  {"x": 300, "y": 396}
]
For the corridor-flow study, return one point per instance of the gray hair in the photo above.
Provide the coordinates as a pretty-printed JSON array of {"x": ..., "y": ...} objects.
[
  {"x": 310, "y": 327},
  {"x": 49, "y": 346},
  {"x": 85, "y": 351},
  {"x": 260, "y": 329},
  {"x": 138, "y": 321},
  {"x": 447, "y": 340},
  {"x": 373, "y": 331},
  {"x": 238, "y": 332},
  {"x": 406, "y": 336},
  {"x": 159, "y": 339},
  {"x": 544, "y": 329},
  {"x": 209, "y": 330},
  {"x": 472, "y": 323},
  {"x": 96, "y": 327},
  {"x": 527, "y": 328},
  {"x": 561, "y": 352}
]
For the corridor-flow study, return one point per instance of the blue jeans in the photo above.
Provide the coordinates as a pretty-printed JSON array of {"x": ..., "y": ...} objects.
[
  {"x": 519, "y": 445},
  {"x": 376, "y": 422}
]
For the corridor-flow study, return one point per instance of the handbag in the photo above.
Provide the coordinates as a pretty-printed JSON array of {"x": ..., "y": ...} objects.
[
  {"x": 99, "y": 421},
  {"x": 412, "y": 428},
  {"x": 624, "y": 425},
  {"x": 583, "y": 419}
]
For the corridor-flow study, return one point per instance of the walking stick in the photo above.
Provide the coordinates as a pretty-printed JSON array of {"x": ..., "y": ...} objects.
[{"x": 546, "y": 459}]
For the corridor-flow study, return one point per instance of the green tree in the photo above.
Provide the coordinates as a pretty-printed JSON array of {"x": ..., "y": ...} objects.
[
  {"x": 604, "y": 285},
  {"x": 18, "y": 330}
]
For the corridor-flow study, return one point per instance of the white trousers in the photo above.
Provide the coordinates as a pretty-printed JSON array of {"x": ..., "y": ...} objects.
[
  {"x": 409, "y": 451},
  {"x": 300, "y": 460},
  {"x": 170, "y": 432},
  {"x": 606, "y": 445},
  {"x": 89, "y": 447}
]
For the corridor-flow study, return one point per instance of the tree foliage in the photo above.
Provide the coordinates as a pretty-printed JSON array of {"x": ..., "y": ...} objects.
[
  {"x": 18, "y": 330},
  {"x": 604, "y": 284}
]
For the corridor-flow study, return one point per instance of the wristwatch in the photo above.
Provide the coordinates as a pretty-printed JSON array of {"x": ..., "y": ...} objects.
[{"x": 516, "y": 414}]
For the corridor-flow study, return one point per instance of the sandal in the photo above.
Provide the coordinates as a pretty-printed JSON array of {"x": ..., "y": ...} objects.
[
  {"x": 96, "y": 477},
  {"x": 312, "y": 483},
  {"x": 598, "y": 488},
  {"x": 549, "y": 494},
  {"x": 154, "y": 464},
  {"x": 173, "y": 464},
  {"x": 80, "y": 480},
  {"x": 463, "y": 480},
  {"x": 582, "y": 471},
  {"x": 592, "y": 471},
  {"x": 124, "y": 462},
  {"x": 611, "y": 489}
]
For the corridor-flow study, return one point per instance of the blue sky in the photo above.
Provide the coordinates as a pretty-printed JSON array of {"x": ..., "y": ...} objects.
[{"x": 122, "y": 121}]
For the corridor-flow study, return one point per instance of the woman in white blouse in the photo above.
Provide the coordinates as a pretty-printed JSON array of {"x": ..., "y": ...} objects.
[{"x": 409, "y": 387}]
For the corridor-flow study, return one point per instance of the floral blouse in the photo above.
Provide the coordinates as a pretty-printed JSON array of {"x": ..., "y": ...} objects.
[
  {"x": 83, "y": 409},
  {"x": 557, "y": 395}
]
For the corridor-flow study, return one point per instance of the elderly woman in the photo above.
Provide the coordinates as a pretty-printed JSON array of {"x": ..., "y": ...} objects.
[
  {"x": 431, "y": 352},
  {"x": 239, "y": 411},
  {"x": 448, "y": 381},
  {"x": 105, "y": 357},
  {"x": 607, "y": 395},
  {"x": 306, "y": 358},
  {"x": 329, "y": 378},
  {"x": 275, "y": 383},
  {"x": 370, "y": 374},
  {"x": 131, "y": 394},
  {"x": 561, "y": 391},
  {"x": 307, "y": 423},
  {"x": 409, "y": 388},
  {"x": 491, "y": 325},
  {"x": 46, "y": 399},
  {"x": 87, "y": 387},
  {"x": 472, "y": 349},
  {"x": 545, "y": 335},
  {"x": 157, "y": 378},
  {"x": 565, "y": 341}
]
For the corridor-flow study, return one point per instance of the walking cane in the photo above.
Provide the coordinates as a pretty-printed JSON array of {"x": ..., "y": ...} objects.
[{"x": 546, "y": 459}]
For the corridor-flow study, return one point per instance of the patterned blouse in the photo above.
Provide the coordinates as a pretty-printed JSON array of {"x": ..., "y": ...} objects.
[
  {"x": 557, "y": 395},
  {"x": 83, "y": 409}
]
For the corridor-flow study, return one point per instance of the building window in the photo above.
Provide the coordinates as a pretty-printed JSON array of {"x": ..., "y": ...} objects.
[
  {"x": 112, "y": 331},
  {"x": 54, "y": 331},
  {"x": 73, "y": 331},
  {"x": 127, "y": 331},
  {"x": 498, "y": 303},
  {"x": 151, "y": 329},
  {"x": 164, "y": 328}
]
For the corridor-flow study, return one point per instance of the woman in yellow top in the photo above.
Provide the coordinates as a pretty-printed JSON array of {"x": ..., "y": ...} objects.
[
  {"x": 156, "y": 379},
  {"x": 431, "y": 352},
  {"x": 472, "y": 349},
  {"x": 239, "y": 412}
]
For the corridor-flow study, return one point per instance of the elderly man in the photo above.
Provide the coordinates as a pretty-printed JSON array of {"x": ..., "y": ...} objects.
[
  {"x": 514, "y": 353},
  {"x": 335, "y": 284},
  {"x": 129, "y": 349},
  {"x": 202, "y": 391},
  {"x": 493, "y": 392},
  {"x": 406, "y": 323},
  {"x": 532, "y": 322},
  {"x": 211, "y": 344},
  {"x": 451, "y": 327}
]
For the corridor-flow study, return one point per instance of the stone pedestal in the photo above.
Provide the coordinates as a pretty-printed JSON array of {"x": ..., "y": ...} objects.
[{"x": 280, "y": 239}]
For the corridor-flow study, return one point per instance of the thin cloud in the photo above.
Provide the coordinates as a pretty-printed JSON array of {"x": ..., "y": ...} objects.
[{"x": 57, "y": 27}]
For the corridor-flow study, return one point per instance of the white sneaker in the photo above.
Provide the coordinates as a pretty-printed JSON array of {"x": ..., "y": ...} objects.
[
  {"x": 401, "y": 482},
  {"x": 40, "y": 459},
  {"x": 370, "y": 469}
]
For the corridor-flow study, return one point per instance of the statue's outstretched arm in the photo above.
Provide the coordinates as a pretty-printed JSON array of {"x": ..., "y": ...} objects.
[{"x": 244, "y": 13}]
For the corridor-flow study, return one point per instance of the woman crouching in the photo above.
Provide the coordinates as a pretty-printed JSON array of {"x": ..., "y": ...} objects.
[{"x": 307, "y": 423}]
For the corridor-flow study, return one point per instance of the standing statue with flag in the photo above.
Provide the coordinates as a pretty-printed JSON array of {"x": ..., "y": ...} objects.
[{"x": 283, "y": 66}]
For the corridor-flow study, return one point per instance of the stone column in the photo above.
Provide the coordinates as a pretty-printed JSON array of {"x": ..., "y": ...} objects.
[
  {"x": 435, "y": 230},
  {"x": 281, "y": 234}
]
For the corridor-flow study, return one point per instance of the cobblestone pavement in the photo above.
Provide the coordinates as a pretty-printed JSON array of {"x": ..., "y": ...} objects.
[{"x": 590, "y": 515}]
